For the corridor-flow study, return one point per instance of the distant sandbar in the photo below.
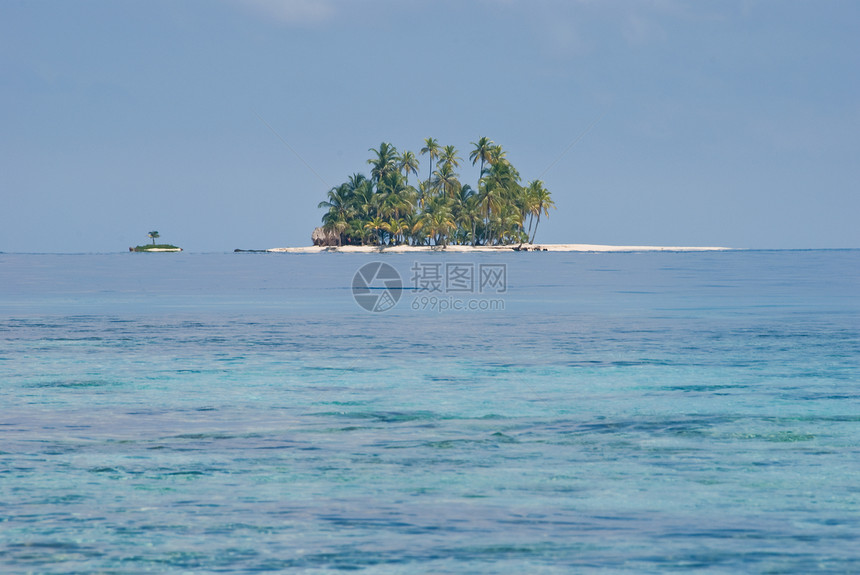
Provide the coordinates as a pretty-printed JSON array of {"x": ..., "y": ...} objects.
[{"x": 468, "y": 249}]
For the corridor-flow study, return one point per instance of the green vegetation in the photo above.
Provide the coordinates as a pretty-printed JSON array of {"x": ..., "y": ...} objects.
[
  {"x": 147, "y": 248},
  {"x": 155, "y": 247},
  {"x": 387, "y": 210}
]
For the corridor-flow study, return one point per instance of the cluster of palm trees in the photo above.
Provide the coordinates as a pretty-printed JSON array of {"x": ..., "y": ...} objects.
[{"x": 440, "y": 210}]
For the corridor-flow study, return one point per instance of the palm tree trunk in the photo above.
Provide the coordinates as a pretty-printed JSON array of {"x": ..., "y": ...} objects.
[{"x": 532, "y": 240}]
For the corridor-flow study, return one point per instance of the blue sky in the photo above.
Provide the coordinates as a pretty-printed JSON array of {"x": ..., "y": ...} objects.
[{"x": 733, "y": 123}]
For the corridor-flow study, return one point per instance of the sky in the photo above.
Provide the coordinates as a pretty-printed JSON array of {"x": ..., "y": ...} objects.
[{"x": 223, "y": 123}]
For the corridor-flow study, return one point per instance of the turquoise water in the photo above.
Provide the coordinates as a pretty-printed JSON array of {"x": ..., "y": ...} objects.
[{"x": 235, "y": 413}]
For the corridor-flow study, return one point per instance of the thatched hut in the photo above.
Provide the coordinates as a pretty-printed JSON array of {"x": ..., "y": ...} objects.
[{"x": 322, "y": 237}]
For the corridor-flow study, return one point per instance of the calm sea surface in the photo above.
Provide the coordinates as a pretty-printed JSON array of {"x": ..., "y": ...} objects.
[{"x": 235, "y": 413}]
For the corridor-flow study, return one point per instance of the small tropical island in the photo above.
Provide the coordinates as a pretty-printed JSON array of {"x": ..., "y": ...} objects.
[
  {"x": 386, "y": 210},
  {"x": 387, "y": 213},
  {"x": 153, "y": 235}
]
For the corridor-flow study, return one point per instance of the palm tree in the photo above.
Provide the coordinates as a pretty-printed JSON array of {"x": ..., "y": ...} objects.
[
  {"x": 440, "y": 223},
  {"x": 483, "y": 152},
  {"x": 385, "y": 161},
  {"x": 424, "y": 192},
  {"x": 408, "y": 163},
  {"x": 463, "y": 193},
  {"x": 409, "y": 223},
  {"x": 529, "y": 203},
  {"x": 445, "y": 179},
  {"x": 508, "y": 224},
  {"x": 153, "y": 236},
  {"x": 543, "y": 201},
  {"x": 467, "y": 212},
  {"x": 365, "y": 202},
  {"x": 356, "y": 234},
  {"x": 338, "y": 200},
  {"x": 437, "y": 221},
  {"x": 335, "y": 223},
  {"x": 355, "y": 181},
  {"x": 431, "y": 147},
  {"x": 490, "y": 199},
  {"x": 500, "y": 187},
  {"x": 395, "y": 227},
  {"x": 420, "y": 234},
  {"x": 409, "y": 199},
  {"x": 394, "y": 195},
  {"x": 497, "y": 155},
  {"x": 472, "y": 214},
  {"x": 374, "y": 225},
  {"x": 449, "y": 156}
]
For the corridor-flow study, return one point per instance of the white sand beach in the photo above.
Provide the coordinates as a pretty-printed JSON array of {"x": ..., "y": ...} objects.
[{"x": 515, "y": 247}]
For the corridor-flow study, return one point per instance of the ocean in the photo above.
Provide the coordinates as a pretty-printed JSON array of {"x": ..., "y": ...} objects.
[{"x": 492, "y": 413}]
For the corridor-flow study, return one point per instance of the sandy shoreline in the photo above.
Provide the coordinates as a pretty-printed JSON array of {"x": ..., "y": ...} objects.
[{"x": 466, "y": 249}]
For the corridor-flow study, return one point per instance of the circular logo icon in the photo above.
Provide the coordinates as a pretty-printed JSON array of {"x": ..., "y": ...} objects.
[{"x": 376, "y": 286}]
